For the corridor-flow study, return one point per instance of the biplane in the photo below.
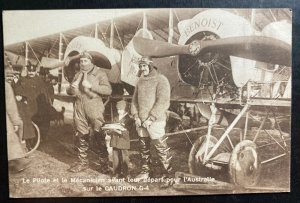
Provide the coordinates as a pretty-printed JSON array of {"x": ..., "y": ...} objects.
[{"x": 232, "y": 65}]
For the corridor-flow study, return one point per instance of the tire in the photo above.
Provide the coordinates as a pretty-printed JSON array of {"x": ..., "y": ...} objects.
[{"x": 33, "y": 143}]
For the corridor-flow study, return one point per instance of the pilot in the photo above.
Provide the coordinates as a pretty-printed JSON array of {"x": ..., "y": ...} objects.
[
  {"x": 88, "y": 86},
  {"x": 150, "y": 103}
]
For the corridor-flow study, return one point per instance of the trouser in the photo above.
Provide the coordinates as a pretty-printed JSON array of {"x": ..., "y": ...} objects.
[{"x": 88, "y": 113}]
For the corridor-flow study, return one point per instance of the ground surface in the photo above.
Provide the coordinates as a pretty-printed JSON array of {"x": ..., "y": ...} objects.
[{"x": 48, "y": 175}]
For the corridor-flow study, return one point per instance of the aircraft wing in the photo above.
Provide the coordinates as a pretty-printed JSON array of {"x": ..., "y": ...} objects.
[
  {"x": 48, "y": 46},
  {"x": 158, "y": 20}
]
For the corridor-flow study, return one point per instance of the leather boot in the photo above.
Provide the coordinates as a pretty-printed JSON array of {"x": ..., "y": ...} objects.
[
  {"x": 82, "y": 146},
  {"x": 102, "y": 152},
  {"x": 145, "y": 155},
  {"x": 163, "y": 152}
]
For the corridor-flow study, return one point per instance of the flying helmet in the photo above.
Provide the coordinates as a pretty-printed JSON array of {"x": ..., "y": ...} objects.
[
  {"x": 145, "y": 60},
  {"x": 86, "y": 54}
]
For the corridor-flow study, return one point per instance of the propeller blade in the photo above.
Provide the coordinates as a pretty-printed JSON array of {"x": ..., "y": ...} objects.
[
  {"x": 257, "y": 48},
  {"x": 264, "y": 49},
  {"x": 154, "y": 48},
  {"x": 62, "y": 63}
]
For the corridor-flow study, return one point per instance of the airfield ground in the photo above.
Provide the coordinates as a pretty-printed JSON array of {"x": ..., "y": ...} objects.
[{"x": 48, "y": 175}]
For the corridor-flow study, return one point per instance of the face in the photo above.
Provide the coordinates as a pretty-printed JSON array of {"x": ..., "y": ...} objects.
[
  {"x": 144, "y": 68},
  {"x": 85, "y": 64},
  {"x": 32, "y": 74}
]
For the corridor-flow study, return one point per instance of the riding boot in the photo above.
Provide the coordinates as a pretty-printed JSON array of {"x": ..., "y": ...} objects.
[
  {"x": 165, "y": 157},
  {"x": 102, "y": 152},
  {"x": 145, "y": 155},
  {"x": 82, "y": 146}
]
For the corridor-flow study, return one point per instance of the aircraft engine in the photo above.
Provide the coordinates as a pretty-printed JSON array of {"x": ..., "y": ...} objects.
[{"x": 213, "y": 69}]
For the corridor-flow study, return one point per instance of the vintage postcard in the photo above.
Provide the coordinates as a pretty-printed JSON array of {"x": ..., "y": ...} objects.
[{"x": 147, "y": 102}]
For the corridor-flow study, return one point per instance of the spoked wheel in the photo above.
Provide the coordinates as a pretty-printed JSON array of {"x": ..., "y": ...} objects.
[
  {"x": 244, "y": 165},
  {"x": 33, "y": 143}
]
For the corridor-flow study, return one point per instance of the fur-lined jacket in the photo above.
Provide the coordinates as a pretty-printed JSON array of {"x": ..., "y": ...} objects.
[{"x": 151, "y": 97}]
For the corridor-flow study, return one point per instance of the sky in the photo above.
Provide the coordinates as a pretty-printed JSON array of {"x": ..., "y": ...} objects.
[{"x": 19, "y": 26}]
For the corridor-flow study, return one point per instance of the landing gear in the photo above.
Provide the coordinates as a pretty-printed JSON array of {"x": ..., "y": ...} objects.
[
  {"x": 237, "y": 153},
  {"x": 240, "y": 167},
  {"x": 244, "y": 164},
  {"x": 196, "y": 155}
]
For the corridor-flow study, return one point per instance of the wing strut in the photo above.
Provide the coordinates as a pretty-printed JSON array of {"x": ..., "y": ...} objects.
[{"x": 60, "y": 56}]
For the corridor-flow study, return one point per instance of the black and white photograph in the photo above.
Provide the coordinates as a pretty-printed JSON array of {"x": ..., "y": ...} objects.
[{"x": 148, "y": 102}]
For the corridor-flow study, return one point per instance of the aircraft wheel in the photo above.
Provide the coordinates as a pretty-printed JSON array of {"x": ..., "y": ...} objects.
[
  {"x": 33, "y": 143},
  {"x": 196, "y": 156},
  {"x": 244, "y": 164}
]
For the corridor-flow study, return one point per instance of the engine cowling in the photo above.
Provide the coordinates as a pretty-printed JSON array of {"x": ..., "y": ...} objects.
[{"x": 212, "y": 68}]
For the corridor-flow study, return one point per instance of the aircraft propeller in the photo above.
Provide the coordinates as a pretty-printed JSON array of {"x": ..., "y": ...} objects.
[{"x": 257, "y": 48}]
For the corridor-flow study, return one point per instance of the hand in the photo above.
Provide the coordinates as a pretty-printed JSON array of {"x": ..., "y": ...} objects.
[
  {"x": 86, "y": 84},
  {"x": 18, "y": 98},
  {"x": 138, "y": 122},
  {"x": 147, "y": 123}
]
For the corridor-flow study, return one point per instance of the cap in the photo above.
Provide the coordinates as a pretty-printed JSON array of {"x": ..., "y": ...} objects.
[
  {"x": 17, "y": 67},
  {"x": 145, "y": 59},
  {"x": 121, "y": 105},
  {"x": 85, "y": 54}
]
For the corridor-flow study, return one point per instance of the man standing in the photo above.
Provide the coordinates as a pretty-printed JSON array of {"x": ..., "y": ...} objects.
[
  {"x": 150, "y": 102},
  {"x": 33, "y": 102},
  {"x": 14, "y": 127},
  {"x": 88, "y": 86}
]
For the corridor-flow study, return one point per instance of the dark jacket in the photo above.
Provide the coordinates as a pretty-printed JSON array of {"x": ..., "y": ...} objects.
[
  {"x": 31, "y": 90},
  {"x": 122, "y": 141}
]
